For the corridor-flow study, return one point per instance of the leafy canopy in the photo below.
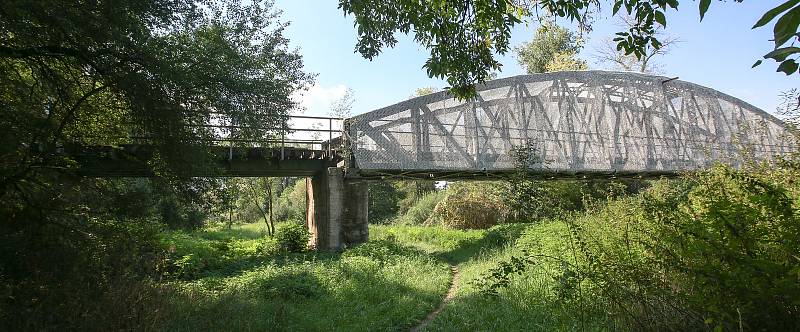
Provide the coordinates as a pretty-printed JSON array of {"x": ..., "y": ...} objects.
[
  {"x": 98, "y": 72},
  {"x": 463, "y": 36},
  {"x": 553, "y": 48}
]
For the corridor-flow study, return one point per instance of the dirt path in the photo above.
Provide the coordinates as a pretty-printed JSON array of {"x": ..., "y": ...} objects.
[{"x": 450, "y": 294}]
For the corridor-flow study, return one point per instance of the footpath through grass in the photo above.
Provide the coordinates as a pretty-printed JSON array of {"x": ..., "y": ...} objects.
[
  {"x": 530, "y": 300},
  {"x": 237, "y": 280}
]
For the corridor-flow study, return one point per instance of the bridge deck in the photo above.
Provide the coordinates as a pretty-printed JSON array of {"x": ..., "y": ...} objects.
[{"x": 131, "y": 161}]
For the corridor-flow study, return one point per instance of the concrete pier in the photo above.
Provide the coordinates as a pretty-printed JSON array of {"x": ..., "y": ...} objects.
[{"x": 336, "y": 210}]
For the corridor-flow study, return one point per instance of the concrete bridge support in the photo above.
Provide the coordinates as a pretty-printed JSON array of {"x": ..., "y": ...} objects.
[{"x": 336, "y": 210}]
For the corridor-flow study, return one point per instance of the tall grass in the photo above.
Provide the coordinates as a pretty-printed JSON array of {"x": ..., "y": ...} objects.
[
  {"x": 421, "y": 211},
  {"x": 713, "y": 251},
  {"x": 246, "y": 284}
]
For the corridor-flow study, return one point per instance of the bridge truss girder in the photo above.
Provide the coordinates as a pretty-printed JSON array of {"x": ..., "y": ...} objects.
[{"x": 587, "y": 123}]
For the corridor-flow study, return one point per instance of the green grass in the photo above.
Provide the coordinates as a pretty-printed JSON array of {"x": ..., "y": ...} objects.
[
  {"x": 241, "y": 282},
  {"x": 530, "y": 302},
  {"x": 389, "y": 283},
  {"x": 449, "y": 245}
]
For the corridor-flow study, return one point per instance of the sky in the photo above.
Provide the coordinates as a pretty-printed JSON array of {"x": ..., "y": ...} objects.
[{"x": 717, "y": 52}]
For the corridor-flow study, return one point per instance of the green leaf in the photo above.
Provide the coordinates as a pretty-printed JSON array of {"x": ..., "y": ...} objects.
[
  {"x": 661, "y": 19},
  {"x": 704, "y": 4},
  {"x": 617, "y": 5},
  {"x": 656, "y": 44},
  {"x": 786, "y": 27},
  {"x": 781, "y": 53},
  {"x": 673, "y": 3},
  {"x": 756, "y": 64},
  {"x": 770, "y": 15},
  {"x": 789, "y": 67}
]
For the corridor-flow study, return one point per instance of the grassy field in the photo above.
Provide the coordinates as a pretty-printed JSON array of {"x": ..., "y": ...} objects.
[
  {"x": 235, "y": 279},
  {"x": 530, "y": 301}
]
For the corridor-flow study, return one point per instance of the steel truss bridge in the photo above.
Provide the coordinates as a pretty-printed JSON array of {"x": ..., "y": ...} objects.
[
  {"x": 578, "y": 124},
  {"x": 582, "y": 123}
]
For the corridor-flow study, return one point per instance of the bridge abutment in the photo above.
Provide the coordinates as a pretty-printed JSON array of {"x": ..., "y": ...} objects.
[{"x": 336, "y": 210}]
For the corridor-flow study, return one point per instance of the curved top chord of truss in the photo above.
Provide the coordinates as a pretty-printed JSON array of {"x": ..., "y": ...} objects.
[{"x": 577, "y": 122}]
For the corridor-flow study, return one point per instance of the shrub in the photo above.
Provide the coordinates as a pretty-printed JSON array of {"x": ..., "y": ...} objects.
[
  {"x": 422, "y": 209},
  {"x": 412, "y": 192},
  {"x": 291, "y": 284},
  {"x": 178, "y": 215},
  {"x": 716, "y": 250},
  {"x": 730, "y": 245},
  {"x": 383, "y": 200},
  {"x": 292, "y": 237},
  {"x": 470, "y": 206},
  {"x": 290, "y": 204}
]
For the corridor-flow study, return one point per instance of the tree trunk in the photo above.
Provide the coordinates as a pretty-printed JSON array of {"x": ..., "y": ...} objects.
[
  {"x": 230, "y": 216},
  {"x": 254, "y": 200},
  {"x": 271, "y": 205}
]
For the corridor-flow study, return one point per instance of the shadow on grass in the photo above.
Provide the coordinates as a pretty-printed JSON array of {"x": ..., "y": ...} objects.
[
  {"x": 520, "y": 310},
  {"x": 494, "y": 239},
  {"x": 363, "y": 289}
]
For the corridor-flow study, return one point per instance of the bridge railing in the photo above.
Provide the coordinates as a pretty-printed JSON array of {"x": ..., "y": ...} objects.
[{"x": 315, "y": 134}]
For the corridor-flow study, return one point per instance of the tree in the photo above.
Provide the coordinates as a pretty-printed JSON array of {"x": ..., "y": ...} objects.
[
  {"x": 789, "y": 107},
  {"x": 553, "y": 48},
  {"x": 463, "y": 36},
  {"x": 264, "y": 187},
  {"x": 608, "y": 54},
  {"x": 95, "y": 71},
  {"x": 342, "y": 107},
  {"x": 423, "y": 91}
]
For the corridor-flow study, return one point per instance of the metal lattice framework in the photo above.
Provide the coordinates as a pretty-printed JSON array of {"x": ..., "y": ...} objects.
[{"x": 577, "y": 122}]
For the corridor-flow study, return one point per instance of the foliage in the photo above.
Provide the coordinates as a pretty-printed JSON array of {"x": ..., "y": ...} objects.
[
  {"x": 96, "y": 73},
  {"x": 715, "y": 250},
  {"x": 553, "y": 48},
  {"x": 86, "y": 73},
  {"x": 424, "y": 91},
  {"x": 292, "y": 236},
  {"x": 463, "y": 36},
  {"x": 342, "y": 108},
  {"x": 608, "y": 54},
  {"x": 731, "y": 243},
  {"x": 376, "y": 286},
  {"x": 291, "y": 204},
  {"x": 471, "y": 206},
  {"x": 209, "y": 251},
  {"x": 421, "y": 211},
  {"x": 411, "y": 191},
  {"x": 383, "y": 200},
  {"x": 177, "y": 216},
  {"x": 531, "y": 199},
  {"x": 785, "y": 31},
  {"x": 54, "y": 275}
]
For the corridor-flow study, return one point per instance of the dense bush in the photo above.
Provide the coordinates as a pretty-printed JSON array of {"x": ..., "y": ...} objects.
[
  {"x": 422, "y": 209},
  {"x": 717, "y": 249},
  {"x": 411, "y": 191},
  {"x": 476, "y": 205},
  {"x": 291, "y": 204},
  {"x": 531, "y": 199},
  {"x": 55, "y": 276},
  {"x": 178, "y": 215},
  {"x": 383, "y": 201},
  {"x": 728, "y": 245},
  {"x": 292, "y": 236}
]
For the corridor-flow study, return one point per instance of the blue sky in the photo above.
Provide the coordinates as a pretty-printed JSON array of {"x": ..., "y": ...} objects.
[{"x": 716, "y": 53}]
